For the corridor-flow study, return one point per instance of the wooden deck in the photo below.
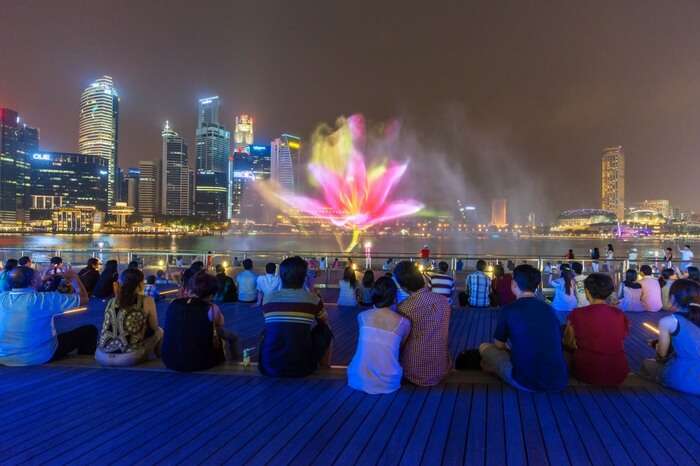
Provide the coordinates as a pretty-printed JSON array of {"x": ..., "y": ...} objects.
[{"x": 60, "y": 414}]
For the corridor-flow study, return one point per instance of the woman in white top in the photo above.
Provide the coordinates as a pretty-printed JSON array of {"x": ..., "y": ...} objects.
[
  {"x": 267, "y": 283},
  {"x": 564, "y": 290},
  {"x": 630, "y": 294},
  {"x": 348, "y": 288},
  {"x": 375, "y": 367}
]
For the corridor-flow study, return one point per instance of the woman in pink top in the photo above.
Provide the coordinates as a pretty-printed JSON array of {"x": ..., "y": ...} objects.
[{"x": 651, "y": 290}]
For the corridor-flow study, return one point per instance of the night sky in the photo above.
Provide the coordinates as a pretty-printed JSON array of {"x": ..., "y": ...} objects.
[{"x": 515, "y": 96}]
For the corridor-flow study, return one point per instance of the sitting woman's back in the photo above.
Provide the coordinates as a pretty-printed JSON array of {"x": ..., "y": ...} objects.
[
  {"x": 564, "y": 292},
  {"x": 348, "y": 288},
  {"x": 375, "y": 367},
  {"x": 630, "y": 295},
  {"x": 105, "y": 285}
]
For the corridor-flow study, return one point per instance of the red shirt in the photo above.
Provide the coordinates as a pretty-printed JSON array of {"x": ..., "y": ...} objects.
[
  {"x": 502, "y": 289},
  {"x": 600, "y": 331},
  {"x": 425, "y": 253}
]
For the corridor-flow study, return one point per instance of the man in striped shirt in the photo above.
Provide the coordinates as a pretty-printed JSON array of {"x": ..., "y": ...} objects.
[
  {"x": 440, "y": 282},
  {"x": 297, "y": 338},
  {"x": 479, "y": 286}
]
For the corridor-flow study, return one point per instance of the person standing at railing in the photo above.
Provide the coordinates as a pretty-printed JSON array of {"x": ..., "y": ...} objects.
[
  {"x": 595, "y": 257},
  {"x": 668, "y": 258},
  {"x": 610, "y": 259},
  {"x": 27, "y": 333},
  {"x": 686, "y": 257}
]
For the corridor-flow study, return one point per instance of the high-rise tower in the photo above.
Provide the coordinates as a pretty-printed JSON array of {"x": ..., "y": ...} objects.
[
  {"x": 99, "y": 128},
  {"x": 285, "y": 161},
  {"x": 175, "y": 189},
  {"x": 212, "y": 173},
  {"x": 613, "y": 181},
  {"x": 17, "y": 142}
]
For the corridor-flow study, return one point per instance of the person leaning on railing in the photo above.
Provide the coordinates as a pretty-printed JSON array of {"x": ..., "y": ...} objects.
[{"x": 27, "y": 333}]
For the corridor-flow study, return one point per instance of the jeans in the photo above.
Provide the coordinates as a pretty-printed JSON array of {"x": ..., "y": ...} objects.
[{"x": 83, "y": 339}]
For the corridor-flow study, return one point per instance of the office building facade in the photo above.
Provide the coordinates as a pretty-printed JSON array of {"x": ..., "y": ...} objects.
[
  {"x": 175, "y": 179},
  {"x": 613, "y": 181},
  {"x": 499, "y": 213},
  {"x": 212, "y": 168},
  {"x": 250, "y": 167},
  {"x": 149, "y": 188},
  {"x": 99, "y": 128},
  {"x": 285, "y": 161},
  {"x": 17, "y": 141}
]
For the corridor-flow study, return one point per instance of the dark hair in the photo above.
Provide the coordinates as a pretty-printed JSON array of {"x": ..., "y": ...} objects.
[
  {"x": 55, "y": 260},
  {"x": 693, "y": 273},
  {"x": 10, "y": 264},
  {"x": 480, "y": 265},
  {"x": 151, "y": 279},
  {"x": 631, "y": 279},
  {"x": 443, "y": 266},
  {"x": 669, "y": 249},
  {"x": 408, "y": 276},
  {"x": 577, "y": 267},
  {"x": 646, "y": 270},
  {"x": 368, "y": 279},
  {"x": 293, "y": 272},
  {"x": 247, "y": 264},
  {"x": 110, "y": 268},
  {"x": 384, "y": 292},
  {"x": 665, "y": 276},
  {"x": 350, "y": 277},
  {"x": 196, "y": 266},
  {"x": 498, "y": 270},
  {"x": 686, "y": 292},
  {"x": 93, "y": 262},
  {"x": 203, "y": 285},
  {"x": 133, "y": 265},
  {"x": 24, "y": 260},
  {"x": 599, "y": 285},
  {"x": 160, "y": 273},
  {"x": 527, "y": 277},
  {"x": 270, "y": 268},
  {"x": 568, "y": 276},
  {"x": 610, "y": 247},
  {"x": 129, "y": 282},
  {"x": 21, "y": 277},
  {"x": 220, "y": 268}
]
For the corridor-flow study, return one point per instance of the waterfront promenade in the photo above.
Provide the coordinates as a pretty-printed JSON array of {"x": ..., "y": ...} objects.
[{"x": 74, "y": 412}]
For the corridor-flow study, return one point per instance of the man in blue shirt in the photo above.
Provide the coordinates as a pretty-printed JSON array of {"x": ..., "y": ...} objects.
[
  {"x": 479, "y": 286},
  {"x": 27, "y": 333},
  {"x": 535, "y": 361},
  {"x": 247, "y": 283}
]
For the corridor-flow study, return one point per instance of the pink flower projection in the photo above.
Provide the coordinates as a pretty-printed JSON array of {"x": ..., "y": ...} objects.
[{"x": 352, "y": 196}]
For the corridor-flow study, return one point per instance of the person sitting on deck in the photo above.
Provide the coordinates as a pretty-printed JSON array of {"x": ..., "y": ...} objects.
[
  {"x": 441, "y": 282},
  {"x": 297, "y": 338},
  {"x": 27, "y": 332},
  {"x": 348, "y": 288},
  {"x": 501, "y": 286},
  {"x": 651, "y": 290},
  {"x": 580, "y": 289},
  {"x": 366, "y": 286},
  {"x": 130, "y": 331},
  {"x": 693, "y": 273},
  {"x": 668, "y": 276},
  {"x": 677, "y": 363},
  {"x": 194, "y": 269},
  {"x": 162, "y": 278},
  {"x": 479, "y": 286},
  {"x": 630, "y": 294},
  {"x": 108, "y": 278},
  {"x": 596, "y": 335},
  {"x": 226, "y": 292},
  {"x": 90, "y": 274},
  {"x": 425, "y": 357},
  {"x": 564, "y": 290},
  {"x": 134, "y": 264},
  {"x": 150, "y": 289},
  {"x": 55, "y": 268},
  {"x": 268, "y": 283},
  {"x": 246, "y": 282},
  {"x": 10, "y": 265},
  {"x": 535, "y": 361},
  {"x": 195, "y": 338},
  {"x": 375, "y": 367}
]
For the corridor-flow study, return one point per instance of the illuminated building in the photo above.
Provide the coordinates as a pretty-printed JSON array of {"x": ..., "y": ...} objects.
[
  {"x": 132, "y": 187},
  {"x": 149, "y": 188},
  {"x": 499, "y": 213},
  {"x": 249, "y": 167},
  {"x": 99, "y": 128},
  {"x": 76, "y": 219},
  {"x": 242, "y": 133},
  {"x": 242, "y": 140},
  {"x": 613, "y": 181},
  {"x": 121, "y": 212},
  {"x": 175, "y": 189},
  {"x": 660, "y": 206},
  {"x": 62, "y": 179},
  {"x": 646, "y": 217},
  {"x": 212, "y": 175},
  {"x": 584, "y": 219},
  {"x": 285, "y": 161},
  {"x": 17, "y": 141}
]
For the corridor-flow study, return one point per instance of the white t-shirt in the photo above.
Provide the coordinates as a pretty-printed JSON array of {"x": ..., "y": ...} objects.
[
  {"x": 581, "y": 291},
  {"x": 651, "y": 294},
  {"x": 268, "y": 283},
  {"x": 27, "y": 333},
  {"x": 687, "y": 255}
]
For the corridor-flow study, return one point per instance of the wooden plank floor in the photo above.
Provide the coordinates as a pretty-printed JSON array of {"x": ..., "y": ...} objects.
[{"x": 55, "y": 415}]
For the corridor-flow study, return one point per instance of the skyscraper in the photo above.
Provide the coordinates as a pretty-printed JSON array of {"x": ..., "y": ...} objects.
[
  {"x": 132, "y": 187},
  {"x": 17, "y": 141},
  {"x": 250, "y": 167},
  {"x": 242, "y": 140},
  {"x": 175, "y": 188},
  {"x": 212, "y": 175},
  {"x": 149, "y": 188},
  {"x": 613, "y": 181},
  {"x": 285, "y": 161},
  {"x": 242, "y": 133},
  {"x": 99, "y": 128},
  {"x": 499, "y": 212}
]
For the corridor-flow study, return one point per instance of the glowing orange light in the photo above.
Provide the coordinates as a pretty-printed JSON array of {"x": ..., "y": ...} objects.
[{"x": 651, "y": 327}]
